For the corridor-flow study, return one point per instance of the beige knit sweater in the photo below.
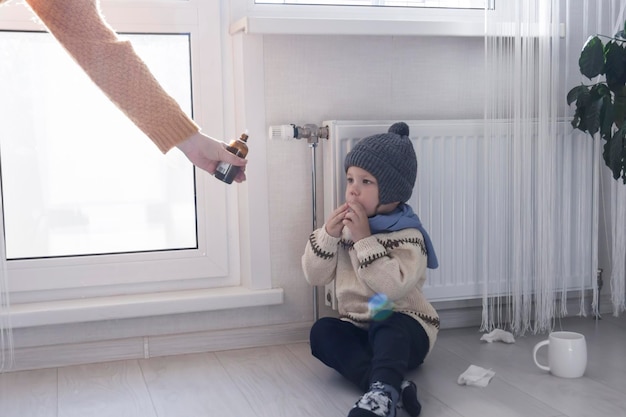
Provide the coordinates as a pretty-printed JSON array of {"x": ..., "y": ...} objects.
[
  {"x": 116, "y": 69},
  {"x": 391, "y": 263}
]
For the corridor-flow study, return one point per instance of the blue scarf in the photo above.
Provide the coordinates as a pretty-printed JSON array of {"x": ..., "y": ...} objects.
[{"x": 403, "y": 217}]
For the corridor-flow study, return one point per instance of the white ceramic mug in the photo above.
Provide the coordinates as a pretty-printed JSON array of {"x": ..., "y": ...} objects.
[{"x": 567, "y": 354}]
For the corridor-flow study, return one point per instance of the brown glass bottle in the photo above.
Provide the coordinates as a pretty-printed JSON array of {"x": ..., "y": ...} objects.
[{"x": 227, "y": 172}]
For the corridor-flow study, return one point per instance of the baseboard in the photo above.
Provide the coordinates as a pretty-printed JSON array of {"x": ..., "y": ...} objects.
[
  {"x": 60, "y": 355},
  {"x": 468, "y": 313},
  {"x": 132, "y": 306}
]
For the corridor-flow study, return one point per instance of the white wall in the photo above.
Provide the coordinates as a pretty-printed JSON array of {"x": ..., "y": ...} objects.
[{"x": 310, "y": 78}]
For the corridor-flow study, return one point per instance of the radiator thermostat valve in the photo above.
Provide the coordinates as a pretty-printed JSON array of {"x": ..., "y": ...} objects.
[
  {"x": 282, "y": 132},
  {"x": 287, "y": 132}
]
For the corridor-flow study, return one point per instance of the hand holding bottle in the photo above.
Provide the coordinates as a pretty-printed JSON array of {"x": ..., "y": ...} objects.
[
  {"x": 226, "y": 171},
  {"x": 206, "y": 153}
]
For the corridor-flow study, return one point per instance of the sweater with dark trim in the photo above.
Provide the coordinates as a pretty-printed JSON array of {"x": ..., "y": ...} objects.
[{"x": 393, "y": 264}]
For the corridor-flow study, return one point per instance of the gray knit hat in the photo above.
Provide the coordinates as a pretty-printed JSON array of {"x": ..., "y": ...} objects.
[{"x": 391, "y": 159}]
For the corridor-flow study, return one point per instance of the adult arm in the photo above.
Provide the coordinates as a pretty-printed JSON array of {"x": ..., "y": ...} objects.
[
  {"x": 116, "y": 69},
  {"x": 124, "y": 78}
]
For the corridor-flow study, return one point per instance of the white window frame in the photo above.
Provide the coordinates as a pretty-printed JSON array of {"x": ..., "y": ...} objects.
[
  {"x": 252, "y": 18},
  {"x": 218, "y": 274}
]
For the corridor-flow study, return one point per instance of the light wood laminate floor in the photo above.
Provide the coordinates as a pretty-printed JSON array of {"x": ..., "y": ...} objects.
[{"x": 287, "y": 381}]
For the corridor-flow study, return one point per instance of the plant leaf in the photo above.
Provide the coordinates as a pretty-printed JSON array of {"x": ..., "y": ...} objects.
[
  {"x": 590, "y": 105},
  {"x": 620, "y": 107},
  {"x": 576, "y": 122},
  {"x": 582, "y": 103},
  {"x": 591, "y": 61},
  {"x": 607, "y": 116},
  {"x": 592, "y": 116},
  {"x": 573, "y": 94},
  {"x": 614, "y": 154},
  {"x": 614, "y": 55}
]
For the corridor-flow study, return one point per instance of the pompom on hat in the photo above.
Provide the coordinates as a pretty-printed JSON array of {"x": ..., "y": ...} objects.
[{"x": 390, "y": 158}]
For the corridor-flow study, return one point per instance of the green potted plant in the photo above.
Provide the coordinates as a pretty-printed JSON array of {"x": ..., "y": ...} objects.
[{"x": 601, "y": 106}]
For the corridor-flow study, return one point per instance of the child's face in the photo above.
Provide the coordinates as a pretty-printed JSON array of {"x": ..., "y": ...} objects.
[{"x": 362, "y": 188}]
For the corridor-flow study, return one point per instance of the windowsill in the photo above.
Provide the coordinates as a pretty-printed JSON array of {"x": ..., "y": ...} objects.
[
  {"x": 266, "y": 25},
  {"x": 140, "y": 305}
]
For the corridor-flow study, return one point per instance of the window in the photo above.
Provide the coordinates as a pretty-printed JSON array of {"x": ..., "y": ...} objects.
[
  {"x": 127, "y": 197},
  {"x": 453, "y": 4},
  {"x": 91, "y": 208}
]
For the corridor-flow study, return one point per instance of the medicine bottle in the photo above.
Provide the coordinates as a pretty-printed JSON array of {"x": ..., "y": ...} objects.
[{"x": 227, "y": 172}]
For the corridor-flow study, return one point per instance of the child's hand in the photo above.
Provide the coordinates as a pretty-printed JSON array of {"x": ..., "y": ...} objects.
[
  {"x": 334, "y": 224},
  {"x": 357, "y": 222}
]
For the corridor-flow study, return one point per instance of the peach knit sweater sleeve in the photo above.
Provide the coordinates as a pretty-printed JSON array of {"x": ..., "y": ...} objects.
[{"x": 116, "y": 69}]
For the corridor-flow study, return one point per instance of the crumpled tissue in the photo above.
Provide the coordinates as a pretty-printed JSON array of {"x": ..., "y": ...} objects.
[
  {"x": 498, "y": 335},
  {"x": 475, "y": 375}
]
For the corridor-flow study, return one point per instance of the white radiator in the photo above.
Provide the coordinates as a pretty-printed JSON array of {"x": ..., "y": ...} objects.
[{"x": 449, "y": 192}]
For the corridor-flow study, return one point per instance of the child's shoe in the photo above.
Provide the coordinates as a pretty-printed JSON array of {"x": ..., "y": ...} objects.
[
  {"x": 408, "y": 399},
  {"x": 379, "y": 401}
]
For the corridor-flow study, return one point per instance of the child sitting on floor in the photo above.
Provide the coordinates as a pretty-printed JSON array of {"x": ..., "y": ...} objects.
[{"x": 377, "y": 251}]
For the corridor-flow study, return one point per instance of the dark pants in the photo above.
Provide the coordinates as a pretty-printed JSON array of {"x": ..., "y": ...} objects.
[{"x": 385, "y": 352}]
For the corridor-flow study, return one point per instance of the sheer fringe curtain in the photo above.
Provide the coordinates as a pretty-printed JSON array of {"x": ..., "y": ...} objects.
[
  {"x": 617, "y": 247},
  {"x": 541, "y": 239},
  {"x": 614, "y": 205}
]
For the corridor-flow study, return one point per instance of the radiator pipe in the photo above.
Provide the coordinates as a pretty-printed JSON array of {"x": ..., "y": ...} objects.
[
  {"x": 312, "y": 133},
  {"x": 313, "y": 146}
]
